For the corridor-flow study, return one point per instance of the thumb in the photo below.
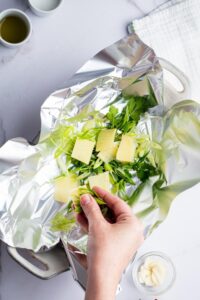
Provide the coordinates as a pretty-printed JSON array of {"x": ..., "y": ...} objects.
[{"x": 91, "y": 209}]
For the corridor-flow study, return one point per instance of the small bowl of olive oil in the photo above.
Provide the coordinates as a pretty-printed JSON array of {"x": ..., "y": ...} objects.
[{"x": 15, "y": 28}]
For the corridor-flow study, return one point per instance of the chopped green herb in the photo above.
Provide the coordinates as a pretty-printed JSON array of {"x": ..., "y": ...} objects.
[{"x": 122, "y": 175}]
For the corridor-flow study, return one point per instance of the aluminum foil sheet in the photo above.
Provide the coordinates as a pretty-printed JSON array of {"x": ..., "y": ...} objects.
[
  {"x": 177, "y": 130},
  {"x": 27, "y": 171}
]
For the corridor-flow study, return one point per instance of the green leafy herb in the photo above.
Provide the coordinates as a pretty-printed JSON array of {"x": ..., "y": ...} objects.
[
  {"x": 63, "y": 138},
  {"x": 121, "y": 174},
  {"x": 135, "y": 106},
  {"x": 61, "y": 222},
  {"x": 85, "y": 190}
]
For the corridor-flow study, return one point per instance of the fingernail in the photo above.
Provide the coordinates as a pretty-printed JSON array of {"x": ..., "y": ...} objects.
[{"x": 85, "y": 199}]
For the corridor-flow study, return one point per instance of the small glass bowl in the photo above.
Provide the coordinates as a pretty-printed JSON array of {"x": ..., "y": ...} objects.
[{"x": 169, "y": 277}]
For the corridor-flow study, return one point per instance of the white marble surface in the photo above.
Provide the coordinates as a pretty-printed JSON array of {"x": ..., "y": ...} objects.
[{"x": 59, "y": 45}]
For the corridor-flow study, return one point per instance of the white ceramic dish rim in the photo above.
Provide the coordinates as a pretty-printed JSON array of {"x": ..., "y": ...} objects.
[
  {"x": 44, "y": 11},
  {"x": 10, "y": 12}
]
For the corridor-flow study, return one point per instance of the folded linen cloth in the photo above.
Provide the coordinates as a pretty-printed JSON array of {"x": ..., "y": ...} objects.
[{"x": 173, "y": 31}]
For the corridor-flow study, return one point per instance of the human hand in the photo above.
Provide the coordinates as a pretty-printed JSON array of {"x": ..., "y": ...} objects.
[{"x": 110, "y": 246}]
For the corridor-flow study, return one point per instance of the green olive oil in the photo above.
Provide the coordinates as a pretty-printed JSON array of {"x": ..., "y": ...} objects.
[{"x": 13, "y": 29}]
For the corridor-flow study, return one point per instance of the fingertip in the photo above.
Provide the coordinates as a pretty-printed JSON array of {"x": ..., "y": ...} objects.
[
  {"x": 114, "y": 202},
  {"x": 95, "y": 188},
  {"x": 99, "y": 191},
  {"x": 85, "y": 199}
]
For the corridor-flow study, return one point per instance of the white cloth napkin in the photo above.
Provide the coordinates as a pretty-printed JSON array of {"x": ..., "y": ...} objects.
[{"x": 173, "y": 31}]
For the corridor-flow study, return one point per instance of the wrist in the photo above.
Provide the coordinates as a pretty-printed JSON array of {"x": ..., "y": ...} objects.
[
  {"x": 99, "y": 288},
  {"x": 101, "y": 270},
  {"x": 101, "y": 283}
]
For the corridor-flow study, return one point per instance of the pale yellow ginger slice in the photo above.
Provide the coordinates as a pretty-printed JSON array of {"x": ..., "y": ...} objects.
[
  {"x": 65, "y": 188},
  {"x": 105, "y": 139},
  {"x": 101, "y": 180},
  {"x": 126, "y": 150},
  {"x": 82, "y": 150},
  {"x": 109, "y": 154}
]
